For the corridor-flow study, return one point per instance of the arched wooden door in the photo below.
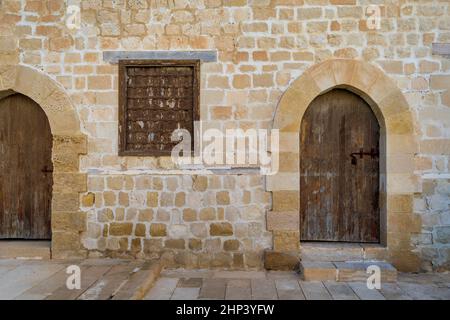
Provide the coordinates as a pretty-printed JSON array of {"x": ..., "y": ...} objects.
[
  {"x": 25, "y": 169},
  {"x": 339, "y": 170}
]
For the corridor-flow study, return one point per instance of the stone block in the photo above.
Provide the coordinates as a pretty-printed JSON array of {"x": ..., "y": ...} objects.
[
  {"x": 221, "y": 229},
  {"x": 174, "y": 244},
  {"x": 231, "y": 245},
  {"x": 115, "y": 56},
  {"x": 207, "y": 214},
  {"x": 442, "y": 234},
  {"x": 65, "y": 202},
  {"x": 223, "y": 198},
  {"x": 199, "y": 230},
  {"x": 195, "y": 244},
  {"x": 145, "y": 215},
  {"x": 318, "y": 271},
  {"x": 180, "y": 199},
  {"x": 120, "y": 229},
  {"x": 158, "y": 230},
  {"x": 189, "y": 215},
  {"x": 276, "y": 260},
  {"x": 88, "y": 200},
  {"x": 285, "y": 200},
  {"x": 152, "y": 245},
  {"x": 152, "y": 199},
  {"x": 199, "y": 183},
  {"x": 286, "y": 240},
  {"x": 400, "y": 203},
  {"x": 357, "y": 271},
  {"x": 65, "y": 241},
  {"x": 326, "y": 252},
  {"x": 68, "y": 221},
  {"x": 140, "y": 230},
  {"x": 284, "y": 220},
  {"x": 105, "y": 215}
]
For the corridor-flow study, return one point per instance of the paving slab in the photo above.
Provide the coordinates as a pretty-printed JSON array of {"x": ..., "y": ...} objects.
[
  {"x": 420, "y": 278},
  {"x": 238, "y": 290},
  {"x": 213, "y": 289},
  {"x": 110, "y": 283},
  {"x": 289, "y": 289},
  {"x": 424, "y": 291},
  {"x": 6, "y": 268},
  {"x": 185, "y": 293},
  {"x": 162, "y": 290},
  {"x": 89, "y": 275},
  {"x": 314, "y": 290},
  {"x": 190, "y": 283},
  {"x": 18, "y": 280},
  {"x": 264, "y": 289},
  {"x": 45, "y": 288},
  {"x": 391, "y": 291},
  {"x": 11, "y": 262},
  {"x": 364, "y": 293},
  {"x": 140, "y": 281},
  {"x": 340, "y": 290}
]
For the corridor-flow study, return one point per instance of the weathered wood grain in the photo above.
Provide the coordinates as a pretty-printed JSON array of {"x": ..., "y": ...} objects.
[
  {"x": 25, "y": 169},
  {"x": 339, "y": 197}
]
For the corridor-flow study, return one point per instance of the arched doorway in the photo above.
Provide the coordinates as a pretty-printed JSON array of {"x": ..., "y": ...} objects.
[
  {"x": 68, "y": 222},
  {"x": 339, "y": 170},
  {"x": 25, "y": 169},
  {"x": 398, "y": 146}
]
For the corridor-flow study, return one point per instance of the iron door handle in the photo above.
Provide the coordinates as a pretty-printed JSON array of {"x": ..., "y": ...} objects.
[
  {"x": 46, "y": 170},
  {"x": 373, "y": 154}
]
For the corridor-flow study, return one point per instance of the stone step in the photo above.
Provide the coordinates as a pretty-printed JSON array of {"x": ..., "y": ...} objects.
[
  {"x": 345, "y": 271},
  {"x": 13, "y": 249},
  {"x": 325, "y": 252},
  {"x": 336, "y": 251},
  {"x": 140, "y": 281}
]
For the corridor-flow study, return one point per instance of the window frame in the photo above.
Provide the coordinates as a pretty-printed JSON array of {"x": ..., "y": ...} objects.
[{"x": 122, "y": 93}]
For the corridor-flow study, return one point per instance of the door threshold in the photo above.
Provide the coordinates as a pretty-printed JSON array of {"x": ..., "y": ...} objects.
[
  {"x": 338, "y": 244},
  {"x": 342, "y": 251},
  {"x": 25, "y": 249}
]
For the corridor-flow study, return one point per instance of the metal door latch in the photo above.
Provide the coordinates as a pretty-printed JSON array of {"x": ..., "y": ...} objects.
[
  {"x": 46, "y": 170},
  {"x": 373, "y": 154}
]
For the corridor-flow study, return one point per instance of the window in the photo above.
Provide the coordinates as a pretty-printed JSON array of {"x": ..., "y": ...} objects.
[{"x": 155, "y": 98}]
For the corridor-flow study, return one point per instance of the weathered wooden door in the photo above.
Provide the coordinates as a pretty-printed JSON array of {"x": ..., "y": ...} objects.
[
  {"x": 339, "y": 170},
  {"x": 25, "y": 170}
]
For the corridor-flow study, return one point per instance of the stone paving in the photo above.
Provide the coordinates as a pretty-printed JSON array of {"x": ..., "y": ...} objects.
[
  {"x": 104, "y": 279},
  {"x": 263, "y": 285},
  {"x": 101, "y": 279}
]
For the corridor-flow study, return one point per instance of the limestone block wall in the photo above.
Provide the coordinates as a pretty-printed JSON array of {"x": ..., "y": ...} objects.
[
  {"x": 204, "y": 221},
  {"x": 133, "y": 206}
]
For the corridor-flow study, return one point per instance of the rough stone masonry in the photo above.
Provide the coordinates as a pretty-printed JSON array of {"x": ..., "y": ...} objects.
[{"x": 106, "y": 205}]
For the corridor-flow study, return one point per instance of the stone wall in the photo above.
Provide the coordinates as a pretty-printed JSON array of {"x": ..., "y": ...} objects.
[
  {"x": 133, "y": 205},
  {"x": 205, "y": 221}
]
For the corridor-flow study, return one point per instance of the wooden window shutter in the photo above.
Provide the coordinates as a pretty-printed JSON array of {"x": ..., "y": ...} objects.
[{"x": 155, "y": 98}]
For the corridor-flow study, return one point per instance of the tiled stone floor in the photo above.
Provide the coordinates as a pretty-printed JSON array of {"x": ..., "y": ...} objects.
[
  {"x": 101, "y": 279},
  {"x": 260, "y": 285},
  {"x": 117, "y": 279}
]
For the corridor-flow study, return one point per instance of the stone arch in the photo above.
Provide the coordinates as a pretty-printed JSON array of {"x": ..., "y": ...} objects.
[
  {"x": 68, "y": 144},
  {"x": 397, "y": 148}
]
